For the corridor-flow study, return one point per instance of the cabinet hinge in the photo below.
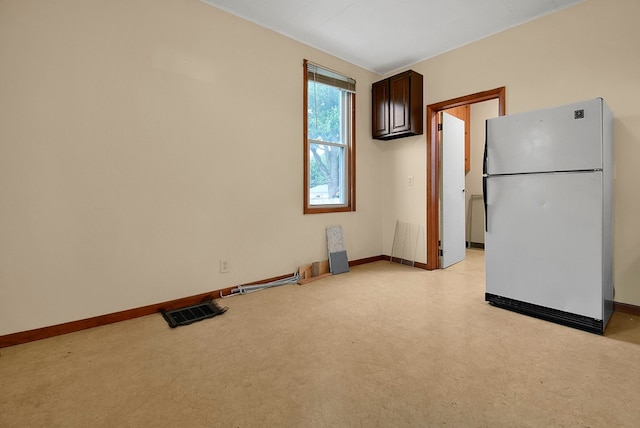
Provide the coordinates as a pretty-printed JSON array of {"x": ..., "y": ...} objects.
[{"x": 439, "y": 127}]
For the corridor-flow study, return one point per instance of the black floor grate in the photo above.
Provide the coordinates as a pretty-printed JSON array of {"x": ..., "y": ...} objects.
[{"x": 191, "y": 314}]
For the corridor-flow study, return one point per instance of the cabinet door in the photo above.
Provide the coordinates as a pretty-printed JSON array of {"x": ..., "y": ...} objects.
[
  {"x": 400, "y": 102},
  {"x": 380, "y": 108}
]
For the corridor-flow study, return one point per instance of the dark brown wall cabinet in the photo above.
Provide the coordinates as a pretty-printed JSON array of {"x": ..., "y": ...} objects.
[{"x": 397, "y": 106}]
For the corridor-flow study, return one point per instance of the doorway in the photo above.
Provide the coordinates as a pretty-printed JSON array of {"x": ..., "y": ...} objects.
[{"x": 433, "y": 164}]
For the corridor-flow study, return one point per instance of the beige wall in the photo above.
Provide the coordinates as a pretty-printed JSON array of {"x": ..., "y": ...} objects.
[
  {"x": 142, "y": 141},
  {"x": 586, "y": 51}
]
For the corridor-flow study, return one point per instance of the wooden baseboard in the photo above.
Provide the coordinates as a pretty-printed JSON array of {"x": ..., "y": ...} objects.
[
  {"x": 365, "y": 261},
  {"x": 405, "y": 262},
  {"x": 70, "y": 327},
  {"x": 626, "y": 308}
]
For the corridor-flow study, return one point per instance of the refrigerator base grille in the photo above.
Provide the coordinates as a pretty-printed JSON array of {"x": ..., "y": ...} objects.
[{"x": 580, "y": 322}]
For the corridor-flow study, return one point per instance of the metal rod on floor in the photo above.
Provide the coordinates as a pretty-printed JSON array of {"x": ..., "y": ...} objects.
[{"x": 246, "y": 289}]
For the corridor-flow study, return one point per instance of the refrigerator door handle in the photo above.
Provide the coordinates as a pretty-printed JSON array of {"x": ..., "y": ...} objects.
[
  {"x": 484, "y": 182},
  {"x": 484, "y": 199},
  {"x": 484, "y": 160}
]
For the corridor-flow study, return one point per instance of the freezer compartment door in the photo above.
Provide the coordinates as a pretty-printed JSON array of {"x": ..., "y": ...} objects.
[
  {"x": 543, "y": 244},
  {"x": 565, "y": 138}
]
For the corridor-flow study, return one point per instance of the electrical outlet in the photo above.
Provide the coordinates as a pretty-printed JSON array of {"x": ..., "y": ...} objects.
[
  {"x": 411, "y": 180},
  {"x": 224, "y": 265}
]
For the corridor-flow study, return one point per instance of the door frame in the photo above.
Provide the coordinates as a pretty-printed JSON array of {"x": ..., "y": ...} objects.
[{"x": 433, "y": 163}]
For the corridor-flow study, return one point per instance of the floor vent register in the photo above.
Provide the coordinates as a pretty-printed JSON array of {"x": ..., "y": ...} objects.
[{"x": 191, "y": 314}]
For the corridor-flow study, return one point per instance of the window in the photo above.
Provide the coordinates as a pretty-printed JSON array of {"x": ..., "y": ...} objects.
[{"x": 329, "y": 143}]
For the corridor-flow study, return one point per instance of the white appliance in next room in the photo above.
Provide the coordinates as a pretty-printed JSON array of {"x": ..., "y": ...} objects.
[{"x": 548, "y": 190}]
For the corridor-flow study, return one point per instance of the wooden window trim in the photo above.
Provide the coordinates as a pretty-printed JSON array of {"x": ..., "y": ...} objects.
[{"x": 351, "y": 160}]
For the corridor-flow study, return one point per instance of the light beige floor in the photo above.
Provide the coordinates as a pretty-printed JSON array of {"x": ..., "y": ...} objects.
[{"x": 381, "y": 346}]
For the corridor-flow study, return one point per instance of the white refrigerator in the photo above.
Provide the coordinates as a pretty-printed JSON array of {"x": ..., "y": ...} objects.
[{"x": 548, "y": 194}]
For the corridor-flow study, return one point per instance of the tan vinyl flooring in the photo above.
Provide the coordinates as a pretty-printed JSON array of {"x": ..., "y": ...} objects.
[{"x": 384, "y": 345}]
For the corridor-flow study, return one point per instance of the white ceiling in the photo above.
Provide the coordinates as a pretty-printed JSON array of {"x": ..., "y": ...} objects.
[{"x": 385, "y": 35}]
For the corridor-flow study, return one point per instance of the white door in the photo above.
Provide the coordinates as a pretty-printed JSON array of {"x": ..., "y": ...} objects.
[{"x": 452, "y": 191}]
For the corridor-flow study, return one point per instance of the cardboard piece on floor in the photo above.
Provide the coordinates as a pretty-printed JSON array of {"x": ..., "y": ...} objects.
[
  {"x": 305, "y": 272},
  {"x": 324, "y": 267}
]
